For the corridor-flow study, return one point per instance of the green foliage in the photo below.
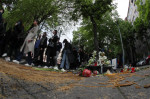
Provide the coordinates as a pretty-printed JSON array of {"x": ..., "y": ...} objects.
[
  {"x": 28, "y": 10},
  {"x": 93, "y": 12},
  {"x": 87, "y": 8},
  {"x": 140, "y": 28},
  {"x": 144, "y": 11},
  {"x": 142, "y": 23},
  {"x": 108, "y": 34}
]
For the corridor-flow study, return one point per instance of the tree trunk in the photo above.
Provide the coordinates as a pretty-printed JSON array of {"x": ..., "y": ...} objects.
[
  {"x": 132, "y": 60},
  {"x": 94, "y": 29}
]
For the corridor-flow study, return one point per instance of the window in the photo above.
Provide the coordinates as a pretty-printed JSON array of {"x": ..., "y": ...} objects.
[{"x": 133, "y": 18}]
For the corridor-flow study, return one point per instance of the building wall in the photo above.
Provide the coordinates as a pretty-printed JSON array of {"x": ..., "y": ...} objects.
[
  {"x": 132, "y": 11},
  {"x": 141, "y": 49}
]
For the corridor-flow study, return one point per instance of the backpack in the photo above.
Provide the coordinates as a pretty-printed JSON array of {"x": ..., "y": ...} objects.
[{"x": 51, "y": 44}]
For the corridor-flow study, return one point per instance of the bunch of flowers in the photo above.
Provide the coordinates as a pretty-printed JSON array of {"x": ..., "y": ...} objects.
[
  {"x": 103, "y": 59},
  {"x": 92, "y": 59}
]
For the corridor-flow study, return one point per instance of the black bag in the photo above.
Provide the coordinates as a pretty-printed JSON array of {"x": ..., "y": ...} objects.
[{"x": 51, "y": 44}]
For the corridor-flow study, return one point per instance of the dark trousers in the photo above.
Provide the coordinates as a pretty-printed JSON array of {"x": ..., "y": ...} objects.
[
  {"x": 36, "y": 55},
  {"x": 2, "y": 47},
  {"x": 41, "y": 55},
  {"x": 50, "y": 58},
  {"x": 29, "y": 59},
  {"x": 12, "y": 51}
]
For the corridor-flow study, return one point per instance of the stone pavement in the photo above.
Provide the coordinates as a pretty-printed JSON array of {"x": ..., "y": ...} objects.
[
  {"x": 91, "y": 89},
  {"x": 12, "y": 88},
  {"x": 88, "y": 88}
]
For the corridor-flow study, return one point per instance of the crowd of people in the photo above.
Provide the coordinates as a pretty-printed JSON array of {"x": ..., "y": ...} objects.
[{"x": 37, "y": 49}]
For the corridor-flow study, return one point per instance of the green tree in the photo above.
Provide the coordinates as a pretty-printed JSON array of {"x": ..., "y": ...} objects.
[
  {"x": 92, "y": 11},
  {"x": 108, "y": 36},
  {"x": 142, "y": 23},
  {"x": 144, "y": 11}
]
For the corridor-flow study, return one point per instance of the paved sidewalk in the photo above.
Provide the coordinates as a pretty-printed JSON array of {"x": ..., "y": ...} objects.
[{"x": 88, "y": 88}]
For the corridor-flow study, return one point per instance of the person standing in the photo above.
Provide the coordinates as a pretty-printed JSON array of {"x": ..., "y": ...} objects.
[
  {"x": 28, "y": 45},
  {"x": 66, "y": 60},
  {"x": 43, "y": 45},
  {"x": 3, "y": 38},
  {"x": 81, "y": 56},
  {"x": 37, "y": 50},
  {"x": 75, "y": 63},
  {"x": 50, "y": 53},
  {"x": 55, "y": 39},
  {"x": 14, "y": 43},
  {"x": 1, "y": 31},
  {"x": 1, "y": 15}
]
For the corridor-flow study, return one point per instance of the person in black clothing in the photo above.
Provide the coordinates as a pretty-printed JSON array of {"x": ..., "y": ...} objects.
[
  {"x": 59, "y": 45},
  {"x": 1, "y": 29},
  {"x": 43, "y": 45},
  {"x": 1, "y": 17},
  {"x": 2, "y": 37},
  {"x": 15, "y": 40},
  {"x": 86, "y": 57},
  {"x": 50, "y": 53},
  {"x": 81, "y": 56},
  {"x": 75, "y": 63},
  {"x": 55, "y": 39}
]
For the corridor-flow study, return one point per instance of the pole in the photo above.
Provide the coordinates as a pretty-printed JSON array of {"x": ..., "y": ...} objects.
[{"x": 121, "y": 45}]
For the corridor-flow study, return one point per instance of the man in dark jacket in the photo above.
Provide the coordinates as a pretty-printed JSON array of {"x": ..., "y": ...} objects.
[
  {"x": 50, "y": 53},
  {"x": 55, "y": 39},
  {"x": 2, "y": 37},
  {"x": 43, "y": 45}
]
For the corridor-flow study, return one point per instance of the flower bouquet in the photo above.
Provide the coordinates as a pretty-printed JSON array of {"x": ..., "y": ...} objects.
[{"x": 103, "y": 59}]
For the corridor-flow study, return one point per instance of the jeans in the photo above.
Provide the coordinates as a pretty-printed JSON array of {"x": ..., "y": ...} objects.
[{"x": 65, "y": 61}]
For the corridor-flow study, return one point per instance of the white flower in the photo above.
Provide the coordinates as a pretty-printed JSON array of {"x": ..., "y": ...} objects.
[
  {"x": 104, "y": 57},
  {"x": 108, "y": 62}
]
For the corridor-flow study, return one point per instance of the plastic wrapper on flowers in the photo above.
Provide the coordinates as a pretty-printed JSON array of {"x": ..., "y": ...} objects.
[
  {"x": 92, "y": 59},
  {"x": 103, "y": 59}
]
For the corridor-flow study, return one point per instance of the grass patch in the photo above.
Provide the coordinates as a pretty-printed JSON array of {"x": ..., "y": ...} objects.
[{"x": 47, "y": 69}]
